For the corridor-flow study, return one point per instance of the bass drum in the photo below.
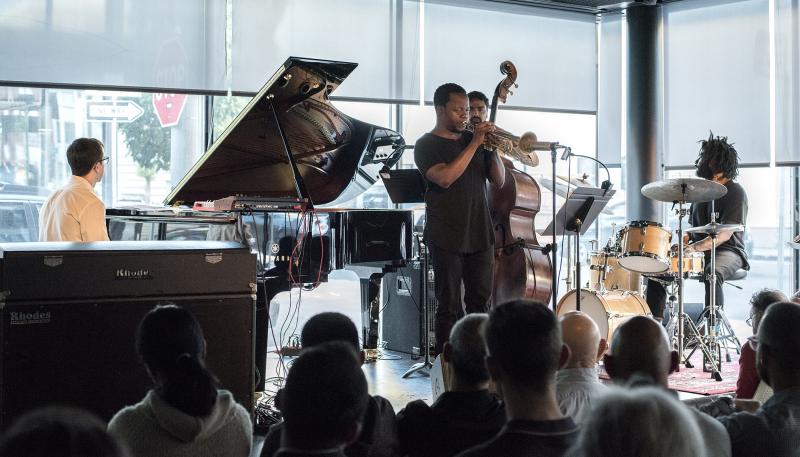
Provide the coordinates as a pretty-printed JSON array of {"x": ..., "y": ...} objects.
[{"x": 608, "y": 310}]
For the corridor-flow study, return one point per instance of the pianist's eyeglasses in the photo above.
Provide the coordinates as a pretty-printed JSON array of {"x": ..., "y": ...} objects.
[{"x": 105, "y": 160}]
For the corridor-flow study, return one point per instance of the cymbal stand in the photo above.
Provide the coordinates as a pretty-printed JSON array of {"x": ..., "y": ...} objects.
[
  {"x": 683, "y": 319},
  {"x": 715, "y": 356}
]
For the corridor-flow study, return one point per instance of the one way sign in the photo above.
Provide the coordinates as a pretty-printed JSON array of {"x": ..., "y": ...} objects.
[{"x": 109, "y": 110}]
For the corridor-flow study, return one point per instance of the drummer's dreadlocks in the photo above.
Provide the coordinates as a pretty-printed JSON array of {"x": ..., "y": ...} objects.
[{"x": 717, "y": 155}]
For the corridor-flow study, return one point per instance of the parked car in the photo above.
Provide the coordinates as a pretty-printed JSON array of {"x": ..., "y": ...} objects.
[{"x": 19, "y": 212}]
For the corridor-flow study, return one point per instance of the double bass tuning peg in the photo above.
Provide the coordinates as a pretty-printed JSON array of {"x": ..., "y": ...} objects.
[{"x": 516, "y": 85}]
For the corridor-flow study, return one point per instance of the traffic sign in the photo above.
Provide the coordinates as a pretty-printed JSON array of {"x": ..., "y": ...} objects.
[
  {"x": 113, "y": 110},
  {"x": 169, "y": 108}
]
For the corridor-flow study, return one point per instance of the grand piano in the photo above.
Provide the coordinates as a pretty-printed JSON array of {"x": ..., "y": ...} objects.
[{"x": 273, "y": 181}]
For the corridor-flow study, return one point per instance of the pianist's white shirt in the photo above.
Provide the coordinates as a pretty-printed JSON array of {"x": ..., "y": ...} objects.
[{"x": 73, "y": 213}]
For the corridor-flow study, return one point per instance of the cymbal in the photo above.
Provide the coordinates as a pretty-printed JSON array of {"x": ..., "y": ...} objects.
[
  {"x": 715, "y": 229},
  {"x": 581, "y": 181},
  {"x": 690, "y": 190},
  {"x": 562, "y": 190}
]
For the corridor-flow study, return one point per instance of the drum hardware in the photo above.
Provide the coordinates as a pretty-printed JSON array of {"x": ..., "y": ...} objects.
[
  {"x": 681, "y": 191},
  {"x": 713, "y": 229}
]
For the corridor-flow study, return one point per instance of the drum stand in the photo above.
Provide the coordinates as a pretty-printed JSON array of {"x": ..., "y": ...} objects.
[{"x": 709, "y": 350}]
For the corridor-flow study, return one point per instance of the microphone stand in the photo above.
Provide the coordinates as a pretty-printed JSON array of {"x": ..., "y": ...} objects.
[
  {"x": 606, "y": 186},
  {"x": 553, "y": 243}
]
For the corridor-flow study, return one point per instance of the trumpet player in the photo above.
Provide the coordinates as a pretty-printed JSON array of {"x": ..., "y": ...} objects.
[{"x": 458, "y": 228}]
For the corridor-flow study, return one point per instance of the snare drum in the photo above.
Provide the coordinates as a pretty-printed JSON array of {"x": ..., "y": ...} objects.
[
  {"x": 616, "y": 277},
  {"x": 693, "y": 263},
  {"x": 609, "y": 310},
  {"x": 645, "y": 247}
]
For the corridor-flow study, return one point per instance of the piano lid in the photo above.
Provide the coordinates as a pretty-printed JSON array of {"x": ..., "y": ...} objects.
[{"x": 337, "y": 156}]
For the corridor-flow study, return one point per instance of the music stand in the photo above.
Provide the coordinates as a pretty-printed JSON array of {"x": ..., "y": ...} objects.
[
  {"x": 404, "y": 185},
  {"x": 408, "y": 186},
  {"x": 576, "y": 215}
]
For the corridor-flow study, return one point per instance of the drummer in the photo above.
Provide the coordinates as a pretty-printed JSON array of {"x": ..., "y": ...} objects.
[{"x": 718, "y": 162}]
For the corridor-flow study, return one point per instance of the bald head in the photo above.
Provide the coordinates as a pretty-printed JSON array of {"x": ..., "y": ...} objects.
[
  {"x": 641, "y": 345},
  {"x": 580, "y": 333}
]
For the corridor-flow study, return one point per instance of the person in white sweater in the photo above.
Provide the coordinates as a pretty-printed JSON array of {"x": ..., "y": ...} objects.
[{"x": 184, "y": 414}]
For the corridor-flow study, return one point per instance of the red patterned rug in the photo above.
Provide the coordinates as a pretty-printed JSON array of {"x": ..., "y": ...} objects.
[{"x": 694, "y": 380}]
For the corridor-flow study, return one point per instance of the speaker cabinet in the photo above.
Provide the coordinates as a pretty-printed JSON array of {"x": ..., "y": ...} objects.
[
  {"x": 69, "y": 313},
  {"x": 402, "y": 316},
  {"x": 83, "y": 354}
]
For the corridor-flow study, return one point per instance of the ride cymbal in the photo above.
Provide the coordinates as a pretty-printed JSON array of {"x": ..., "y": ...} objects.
[{"x": 690, "y": 190}]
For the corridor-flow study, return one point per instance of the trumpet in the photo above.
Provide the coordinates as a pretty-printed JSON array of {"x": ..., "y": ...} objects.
[{"x": 509, "y": 145}]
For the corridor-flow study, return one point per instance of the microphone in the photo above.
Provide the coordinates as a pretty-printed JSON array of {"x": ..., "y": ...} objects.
[{"x": 529, "y": 143}]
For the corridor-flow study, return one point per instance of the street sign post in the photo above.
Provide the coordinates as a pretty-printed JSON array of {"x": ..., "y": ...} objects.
[{"x": 113, "y": 110}]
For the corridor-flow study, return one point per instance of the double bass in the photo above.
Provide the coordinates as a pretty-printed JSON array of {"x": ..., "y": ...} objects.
[{"x": 522, "y": 268}]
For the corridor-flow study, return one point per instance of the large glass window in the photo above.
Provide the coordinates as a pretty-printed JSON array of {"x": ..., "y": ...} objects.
[{"x": 37, "y": 126}]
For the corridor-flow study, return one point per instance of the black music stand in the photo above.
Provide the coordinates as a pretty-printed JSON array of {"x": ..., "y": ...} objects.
[
  {"x": 408, "y": 186},
  {"x": 404, "y": 185},
  {"x": 575, "y": 217}
]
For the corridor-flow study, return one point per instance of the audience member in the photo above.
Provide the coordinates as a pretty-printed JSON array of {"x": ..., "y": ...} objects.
[
  {"x": 774, "y": 428},
  {"x": 577, "y": 383},
  {"x": 184, "y": 414},
  {"x": 795, "y": 297},
  {"x": 379, "y": 435},
  {"x": 524, "y": 351},
  {"x": 640, "y": 352},
  {"x": 323, "y": 402},
  {"x": 748, "y": 380},
  {"x": 59, "y": 432},
  {"x": 464, "y": 416},
  {"x": 644, "y": 421}
]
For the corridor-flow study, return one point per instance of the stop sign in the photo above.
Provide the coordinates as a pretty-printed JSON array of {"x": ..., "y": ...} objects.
[{"x": 169, "y": 108}]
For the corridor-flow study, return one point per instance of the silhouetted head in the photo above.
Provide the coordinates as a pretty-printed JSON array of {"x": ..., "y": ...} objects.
[
  {"x": 327, "y": 327},
  {"x": 641, "y": 346},
  {"x": 170, "y": 343},
  {"x": 778, "y": 351},
  {"x": 523, "y": 342},
  {"x": 59, "y": 432},
  {"x": 324, "y": 399},
  {"x": 643, "y": 421},
  {"x": 466, "y": 350}
]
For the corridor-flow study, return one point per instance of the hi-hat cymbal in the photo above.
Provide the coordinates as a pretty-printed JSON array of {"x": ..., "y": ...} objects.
[
  {"x": 562, "y": 190},
  {"x": 690, "y": 190},
  {"x": 580, "y": 181},
  {"x": 715, "y": 229}
]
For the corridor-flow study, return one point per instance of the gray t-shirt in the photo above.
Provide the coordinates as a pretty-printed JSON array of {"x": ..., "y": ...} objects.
[{"x": 457, "y": 218}]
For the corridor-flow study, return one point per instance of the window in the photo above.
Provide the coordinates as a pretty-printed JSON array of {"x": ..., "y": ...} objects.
[{"x": 146, "y": 159}]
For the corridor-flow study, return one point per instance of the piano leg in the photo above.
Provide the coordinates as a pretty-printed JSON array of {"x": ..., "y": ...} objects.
[{"x": 370, "y": 309}]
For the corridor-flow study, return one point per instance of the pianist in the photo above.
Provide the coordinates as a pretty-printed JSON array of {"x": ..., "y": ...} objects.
[
  {"x": 458, "y": 228},
  {"x": 75, "y": 212}
]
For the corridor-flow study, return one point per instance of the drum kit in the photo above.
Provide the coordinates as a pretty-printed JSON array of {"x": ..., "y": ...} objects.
[{"x": 642, "y": 249}]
